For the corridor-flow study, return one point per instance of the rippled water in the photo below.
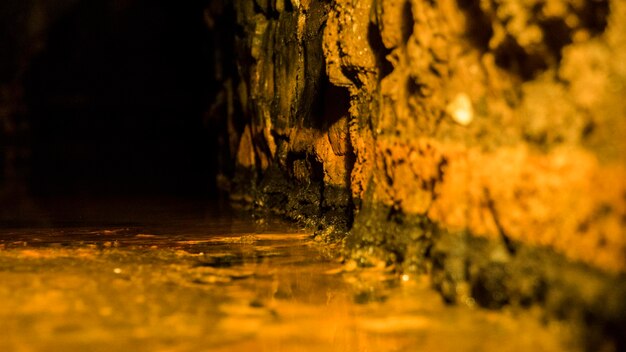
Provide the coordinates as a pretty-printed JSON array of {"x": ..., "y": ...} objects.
[{"x": 159, "y": 276}]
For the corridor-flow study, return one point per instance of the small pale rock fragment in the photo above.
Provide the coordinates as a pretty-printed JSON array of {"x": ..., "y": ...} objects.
[{"x": 461, "y": 110}]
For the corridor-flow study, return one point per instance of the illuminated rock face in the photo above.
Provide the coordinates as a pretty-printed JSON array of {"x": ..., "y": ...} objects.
[
  {"x": 505, "y": 121},
  {"x": 408, "y": 124}
]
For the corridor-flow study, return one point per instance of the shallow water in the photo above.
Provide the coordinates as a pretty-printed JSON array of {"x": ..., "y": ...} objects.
[{"x": 162, "y": 276}]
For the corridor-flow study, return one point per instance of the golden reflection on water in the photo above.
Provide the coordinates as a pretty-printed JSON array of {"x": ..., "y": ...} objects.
[{"x": 231, "y": 285}]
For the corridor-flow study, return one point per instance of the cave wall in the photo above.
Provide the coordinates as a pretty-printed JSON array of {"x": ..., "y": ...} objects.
[
  {"x": 467, "y": 139},
  {"x": 480, "y": 142},
  {"x": 501, "y": 119}
]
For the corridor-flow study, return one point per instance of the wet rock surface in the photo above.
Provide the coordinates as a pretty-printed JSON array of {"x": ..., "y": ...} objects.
[
  {"x": 499, "y": 120},
  {"x": 175, "y": 280}
]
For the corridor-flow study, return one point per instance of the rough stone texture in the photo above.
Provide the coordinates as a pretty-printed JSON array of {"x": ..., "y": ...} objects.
[
  {"x": 503, "y": 119},
  {"x": 291, "y": 130},
  {"x": 414, "y": 120}
]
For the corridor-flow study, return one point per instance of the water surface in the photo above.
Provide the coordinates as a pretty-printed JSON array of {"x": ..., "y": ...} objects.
[{"x": 160, "y": 275}]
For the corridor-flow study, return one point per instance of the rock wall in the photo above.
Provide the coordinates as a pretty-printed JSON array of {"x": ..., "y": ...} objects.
[{"x": 479, "y": 141}]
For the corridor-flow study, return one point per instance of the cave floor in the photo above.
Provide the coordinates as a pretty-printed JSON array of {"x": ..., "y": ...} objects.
[{"x": 153, "y": 279}]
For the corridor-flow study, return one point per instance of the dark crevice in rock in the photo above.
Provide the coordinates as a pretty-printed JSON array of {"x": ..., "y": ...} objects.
[
  {"x": 407, "y": 21},
  {"x": 496, "y": 219},
  {"x": 557, "y": 36},
  {"x": 352, "y": 73},
  {"x": 594, "y": 15},
  {"x": 413, "y": 87},
  {"x": 268, "y": 10},
  {"x": 479, "y": 30},
  {"x": 376, "y": 43},
  {"x": 332, "y": 103},
  {"x": 288, "y": 6},
  {"x": 317, "y": 171},
  {"x": 311, "y": 103},
  {"x": 514, "y": 58}
]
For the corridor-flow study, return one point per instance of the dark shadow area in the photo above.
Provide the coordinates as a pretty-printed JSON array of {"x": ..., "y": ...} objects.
[
  {"x": 478, "y": 30},
  {"x": 116, "y": 101},
  {"x": 376, "y": 43},
  {"x": 331, "y": 104},
  {"x": 529, "y": 61},
  {"x": 512, "y": 57},
  {"x": 407, "y": 21}
]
